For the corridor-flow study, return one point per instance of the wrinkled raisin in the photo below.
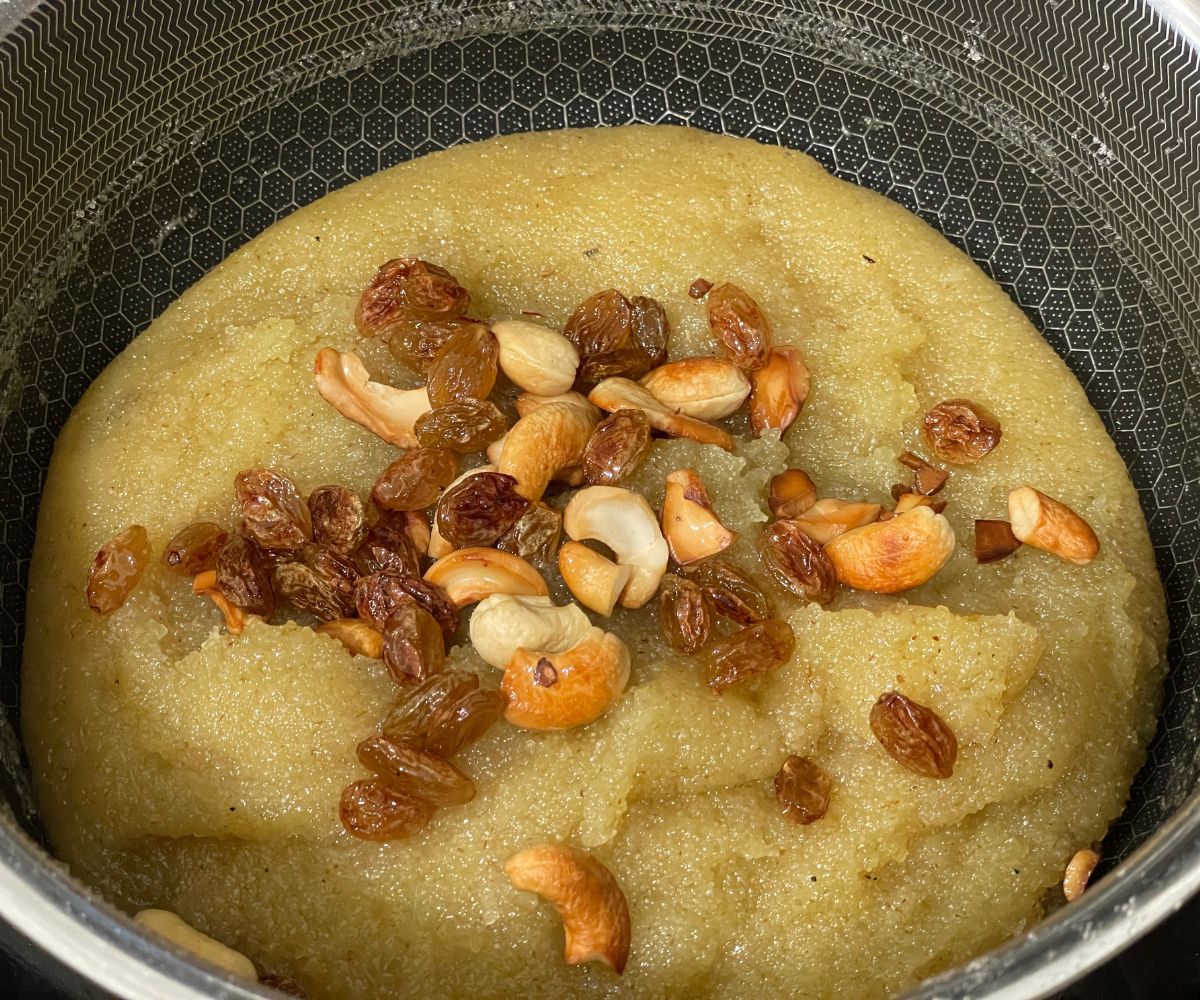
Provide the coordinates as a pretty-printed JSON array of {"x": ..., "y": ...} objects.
[
  {"x": 276, "y": 517},
  {"x": 960, "y": 431},
  {"x": 466, "y": 426},
  {"x": 803, "y": 787},
  {"x": 627, "y": 362},
  {"x": 408, "y": 288},
  {"x": 752, "y": 652},
  {"x": 414, "y": 646},
  {"x": 389, "y": 545},
  {"x": 338, "y": 517},
  {"x": 480, "y": 509},
  {"x": 464, "y": 367},
  {"x": 319, "y": 586},
  {"x": 616, "y": 448},
  {"x": 370, "y": 810},
  {"x": 535, "y": 536},
  {"x": 414, "y": 481},
  {"x": 410, "y": 717},
  {"x": 406, "y": 768},
  {"x": 797, "y": 562},
  {"x": 117, "y": 568},
  {"x": 445, "y": 714},
  {"x": 742, "y": 332},
  {"x": 380, "y": 595},
  {"x": 684, "y": 614},
  {"x": 914, "y": 735},
  {"x": 732, "y": 593},
  {"x": 603, "y": 323},
  {"x": 244, "y": 576},
  {"x": 651, "y": 331},
  {"x": 194, "y": 548},
  {"x": 415, "y": 343}
]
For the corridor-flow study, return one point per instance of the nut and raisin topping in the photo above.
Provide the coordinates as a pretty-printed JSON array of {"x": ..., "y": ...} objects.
[
  {"x": 750, "y": 653},
  {"x": 464, "y": 367},
  {"x": 791, "y": 493},
  {"x": 415, "y": 480},
  {"x": 312, "y": 591},
  {"x": 371, "y": 810},
  {"x": 803, "y": 788},
  {"x": 244, "y": 576},
  {"x": 408, "y": 288},
  {"x": 413, "y": 771},
  {"x": 603, "y": 323},
  {"x": 616, "y": 448},
  {"x": 535, "y": 536},
  {"x": 914, "y": 735},
  {"x": 960, "y": 431},
  {"x": 194, "y": 548},
  {"x": 927, "y": 480},
  {"x": 797, "y": 562},
  {"x": 117, "y": 568},
  {"x": 480, "y": 509},
  {"x": 379, "y": 596},
  {"x": 389, "y": 544},
  {"x": 699, "y": 288}
]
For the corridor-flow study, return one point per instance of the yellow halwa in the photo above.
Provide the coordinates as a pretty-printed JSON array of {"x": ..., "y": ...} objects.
[{"x": 179, "y": 767}]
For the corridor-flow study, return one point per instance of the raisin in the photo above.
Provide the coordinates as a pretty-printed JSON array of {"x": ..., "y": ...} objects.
[
  {"x": 408, "y": 288},
  {"x": 414, "y": 646},
  {"x": 380, "y": 595},
  {"x": 338, "y": 517},
  {"x": 466, "y": 426},
  {"x": 276, "y": 517},
  {"x": 389, "y": 545},
  {"x": 603, "y": 323},
  {"x": 627, "y": 362},
  {"x": 409, "y": 769},
  {"x": 732, "y": 593},
  {"x": 742, "y": 332},
  {"x": 194, "y": 549},
  {"x": 456, "y": 725},
  {"x": 684, "y": 614},
  {"x": 314, "y": 592},
  {"x": 752, "y": 652},
  {"x": 914, "y": 735},
  {"x": 444, "y": 714},
  {"x": 370, "y": 810},
  {"x": 802, "y": 787},
  {"x": 616, "y": 448},
  {"x": 699, "y": 288},
  {"x": 410, "y": 718},
  {"x": 414, "y": 480},
  {"x": 651, "y": 331},
  {"x": 464, "y": 367},
  {"x": 960, "y": 431},
  {"x": 415, "y": 343},
  {"x": 480, "y": 509},
  {"x": 244, "y": 576},
  {"x": 535, "y": 536},
  {"x": 791, "y": 493},
  {"x": 797, "y": 562},
  {"x": 117, "y": 568},
  {"x": 994, "y": 540}
]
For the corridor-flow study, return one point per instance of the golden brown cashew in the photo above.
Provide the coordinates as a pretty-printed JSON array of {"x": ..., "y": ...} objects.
[
  {"x": 623, "y": 521},
  {"x": 1050, "y": 525},
  {"x": 343, "y": 381},
  {"x": 591, "y": 904},
  {"x": 623, "y": 394},
  {"x": 592, "y": 579},
  {"x": 535, "y": 358},
  {"x": 690, "y": 525},
  {"x": 564, "y": 690},
  {"x": 549, "y": 439},
  {"x": 503, "y": 623},
  {"x": 704, "y": 388},
  {"x": 829, "y": 517},
  {"x": 780, "y": 390},
  {"x": 183, "y": 935},
  {"x": 527, "y": 402},
  {"x": 889, "y": 556},
  {"x": 471, "y": 574}
]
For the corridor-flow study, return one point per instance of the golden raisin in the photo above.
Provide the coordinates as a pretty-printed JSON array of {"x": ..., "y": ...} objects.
[
  {"x": 464, "y": 367},
  {"x": 194, "y": 548},
  {"x": 797, "y": 562},
  {"x": 323, "y": 594},
  {"x": 244, "y": 576},
  {"x": 414, "y": 481},
  {"x": 117, "y": 568},
  {"x": 752, "y": 652},
  {"x": 616, "y": 448},
  {"x": 409, "y": 769},
  {"x": 914, "y": 735},
  {"x": 651, "y": 331},
  {"x": 994, "y": 540},
  {"x": 338, "y": 517},
  {"x": 276, "y": 517},
  {"x": 408, "y": 288},
  {"x": 415, "y": 343},
  {"x": 535, "y": 536},
  {"x": 803, "y": 787},
  {"x": 414, "y": 646},
  {"x": 466, "y": 426},
  {"x": 371, "y": 810},
  {"x": 446, "y": 713},
  {"x": 741, "y": 329},
  {"x": 603, "y": 323},
  {"x": 389, "y": 545},
  {"x": 960, "y": 431},
  {"x": 683, "y": 613},
  {"x": 731, "y": 593},
  {"x": 480, "y": 509}
]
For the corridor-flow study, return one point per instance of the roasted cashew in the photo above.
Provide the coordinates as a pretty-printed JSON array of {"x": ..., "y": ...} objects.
[
  {"x": 624, "y": 394},
  {"x": 183, "y": 935},
  {"x": 503, "y": 623},
  {"x": 624, "y": 522},
  {"x": 705, "y": 388},
  {"x": 563, "y": 690},
  {"x": 544, "y": 442},
  {"x": 471, "y": 574},
  {"x": 527, "y": 402},
  {"x": 536, "y": 358},
  {"x": 593, "y": 579},
  {"x": 890, "y": 556},
  {"x": 689, "y": 523},
  {"x": 344, "y": 382}
]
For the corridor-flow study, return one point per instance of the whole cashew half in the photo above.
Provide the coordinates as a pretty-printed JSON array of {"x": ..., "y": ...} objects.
[
  {"x": 503, "y": 623},
  {"x": 563, "y": 690},
  {"x": 390, "y": 413},
  {"x": 183, "y": 935},
  {"x": 550, "y": 438},
  {"x": 623, "y": 521}
]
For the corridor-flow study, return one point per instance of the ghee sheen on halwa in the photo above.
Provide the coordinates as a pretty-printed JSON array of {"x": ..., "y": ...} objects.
[{"x": 179, "y": 767}]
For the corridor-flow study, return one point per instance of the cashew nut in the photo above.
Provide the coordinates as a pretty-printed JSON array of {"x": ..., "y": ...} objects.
[
  {"x": 780, "y": 390},
  {"x": 438, "y": 547},
  {"x": 418, "y": 530},
  {"x": 830, "y": 517},
  {"x": 624, "y": 522},
  {"x": 471, "y": 574},
  {"x": 591, "y": 904},
  {"x": 563, "y": 690},
  {"x": 206, "y": 584},
  {"x": 343, "y": 381},
  {"x": 527, "y": 402},
  {"x": 183, "y": 935},
  {"x": 358, "y": 638},
  {"x": 890, "y": 556},
  {"x": 535, "y": 358},
  {"x": 542, "y": 443},
  {"x": 503, "y": 623},
  {"x": 623, "y": 394},
  {"x": 690, "y": 525},
  {"x": 705, "y": 388},
  {"x": 1050, "y": 525},
  {"x": 594, "y": 580},
  {"x": 1079, "y": 871}
]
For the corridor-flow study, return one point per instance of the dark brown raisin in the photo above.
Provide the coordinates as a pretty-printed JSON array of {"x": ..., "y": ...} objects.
[
  {"x": 409, "y": 719},
  {"x": 603, "y": 323},
  {"x": 797, "y": 562},
  {"x": 480, "y": 509},
  {"x": 445, "y": 714},
  {"x": 791, "y": 493},
  {"x": 379, "y": 596},
  {"x": 651, "y": 331},
  {"x": 750, "y": 653},
  {"x": 416, "y": 343},
  {"x": 466, "y": 426},
  {"x": 389, "y": 545},
  {"x": 244, "y": 576},
  {"x": 409, "y": 769},
  {"x": 960, "y": 431},
  {"x": 371, "y": 810},
  {"x": 731, "y": 592},
  {"x": 312, "y": 591},
  {"x": 276, "y": 517},
  {"x": 408, "y": 288},
  {"x": 994, "y": 540},
  {"x": 618, "y": 445},
  {"x": 414, "y": 646},
  {"x": 803, "y": 787},
  {"x": 741, "y": 330},
  {"x": 465, "y": 367},
  {"x": 535, "y": 536},
  {"x": 456, "y": 725},
  {"x": 914, "y": 735},
  {"x": 117, "y": 568},
  {"x": 338, "y": 517},
  {"x": 699, "y": 288},
  {"x": 415, "y": 480},
  {"x": 627, "y": 362},
  {"x": 926, "y": 479},
  {"x": 684, "y": 614},
  {"x": 194, "y": 548}
]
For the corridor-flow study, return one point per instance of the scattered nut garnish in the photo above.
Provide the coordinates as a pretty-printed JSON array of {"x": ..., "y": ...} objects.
[
  {"x": 588, "y": 679},
  {"x": 547, "y": 440},
  {"x": 359, "y": 638},
  {"x": 907, "y": 501},
  {"x": 890, "y": 556},
  {"x": 690, "y": 526},
  {"x": 624, "y": 522},
  {"x": 960, "y": 431},
  {"x": 591, "y": 904},
  {"x": 797, "y": 562},
  {"x": 699, "y": 288},
  {"x": 706, "y": 388},
  {"x": 791, "y": 493},
  {"x": 1079, "y": 871},
  {"x": 183, "y": 935},
  {"x": 117, "y": 568},
  {"x": 739, "y": 326},
  {"x": 594, "y": 580},
  {"x": 471, "y": 574},
  {"x": 205, "y": 584},
  {"x": 527, "y": 402},
  {"x": 503, "y": 623},
  {"x": 803, "y": 787},
  {"x": 684, "y": 614},
  {"x": 926, "y": 479},
  {"x": 1050, "y": 525},
  {"x": 754, "y": 651},
  {"x": 390, "y": 413},
  {"x": 829, "y": 517},
  {"x": 194, "y": 548},
  {"x": 780, "y": 390},
  {"x": 994, "y": 540},
  {"x": 535, "y": 358},
  {"x": 623, "y": 394},
  {"x": 914, "y": 735}
]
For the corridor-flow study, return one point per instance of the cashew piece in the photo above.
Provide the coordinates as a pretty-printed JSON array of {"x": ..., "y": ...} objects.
[
  {"x": 438, "y": 547},
  {"x": 1050, "y": 525},
  {"x": 183, "y": 935},
  {"x": 780, "y": 390},
  {"x": 546, "y": 441},
  {"x": 591, "y": 904},
  {"x": 595, "y": 581},
  {"x": 624, "y": 394},
  {"x": 343, "y": 381},
  {"x": 527, "y": 402},
  {"x": 563, "y": 690},
  {"x": 830, "y": 517},
  {"x": 704, "y": 388},
  {"x": 624, "y": 522},
  {"x": 690, "y": 525},
  {"x": 890, "y": 556},
  {"x": 535, "y": 358},
  {"x": 471, "y": 574},
  {"x": 205, "y": 584},
  {"x": 503, "y": 623},
  {"x": 358, "y": 638},
  {"x": 1079, "y": 871}
]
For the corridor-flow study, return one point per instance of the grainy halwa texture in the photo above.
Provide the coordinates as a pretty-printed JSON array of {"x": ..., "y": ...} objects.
[{"x": 179, "y": 767}]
